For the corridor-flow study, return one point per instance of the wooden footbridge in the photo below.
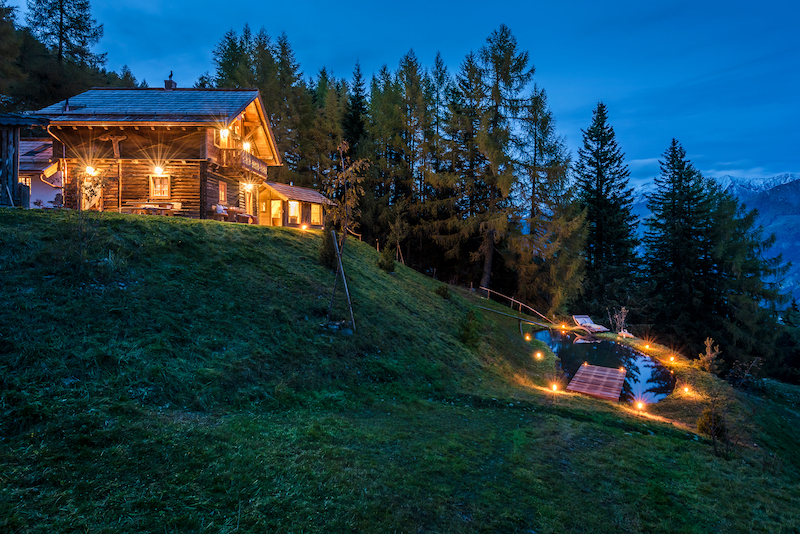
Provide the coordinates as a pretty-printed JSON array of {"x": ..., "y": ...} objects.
[{"x": 599, "y": 382}]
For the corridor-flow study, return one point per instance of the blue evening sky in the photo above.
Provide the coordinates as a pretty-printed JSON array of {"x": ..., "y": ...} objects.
[{"x": 722, "y": 77}]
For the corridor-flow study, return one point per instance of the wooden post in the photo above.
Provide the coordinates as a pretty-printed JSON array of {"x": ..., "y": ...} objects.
[{"x": 344, "y": 280}]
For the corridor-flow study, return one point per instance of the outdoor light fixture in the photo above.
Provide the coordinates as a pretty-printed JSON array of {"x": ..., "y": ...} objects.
[
  {"x": 555, "y": 387},
  {"x": 640, "y": 405},
  {"x": 223, "y": 133},
  {"x": 672, "y": 358},
  {"x": 647, "y": 346},
  {"x": 527, "y": 337},
  {"x": 246, "y": 146},
  {"x": 621, "y": 369},
  {"x": 159, "y": 171},
  {"x": 686, "y": 390},
  {"x": 304, "y": 227},
  {"x": 539, "y": 355},
  {"x": 90, "y": 170},
  {"x": 248, "y": 187}
]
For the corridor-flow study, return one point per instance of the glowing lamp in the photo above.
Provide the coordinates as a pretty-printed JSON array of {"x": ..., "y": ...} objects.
[
  {"x": 90, "y": 170},
  {"x": 246, "y": 146},
  {"x": 647, "y": 346},
  {"x": 672, "y": 358},
  {"x": 555, "y": 387},
  {"x": 563, "y": 327},
  {"x": 304, "y": 227},
  {"x": 686, "y": 390},
  {"x": 223, "y": 133},
  {"x": 248, "y": 187},
  {"x": 527, "y": 337},
  {"x": 639, "y": 405},
  {"x": 159, "y": 171},
  {"x": 539, "y": 355},
  {"x": 585, "y": 363},
  {"x": 622, "y": 369}
]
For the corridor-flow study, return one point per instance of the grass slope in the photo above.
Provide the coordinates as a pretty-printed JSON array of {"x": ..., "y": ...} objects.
[{"x": 168, "y": 375}]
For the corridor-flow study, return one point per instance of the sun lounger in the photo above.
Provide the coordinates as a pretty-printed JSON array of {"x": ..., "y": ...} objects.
[{"x": 585, "y": 322}]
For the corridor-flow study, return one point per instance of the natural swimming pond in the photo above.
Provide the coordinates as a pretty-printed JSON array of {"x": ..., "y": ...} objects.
[{"x": 646, "y": 380}]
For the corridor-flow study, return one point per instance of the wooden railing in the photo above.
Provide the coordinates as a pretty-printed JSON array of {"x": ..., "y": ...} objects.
[
  {"x": 513, "y": 301},
  {"x": 239, "y": 159}
]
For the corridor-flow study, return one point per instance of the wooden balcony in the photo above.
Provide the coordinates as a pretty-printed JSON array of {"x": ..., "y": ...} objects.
[{"x": 238, "y": 159}]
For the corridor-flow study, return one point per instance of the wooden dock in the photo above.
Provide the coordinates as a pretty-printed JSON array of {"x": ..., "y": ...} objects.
[{"x": 601, "y": 382}]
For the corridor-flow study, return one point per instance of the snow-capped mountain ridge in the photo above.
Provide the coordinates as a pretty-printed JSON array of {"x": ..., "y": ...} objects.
[{"x": 741, "y": 188}]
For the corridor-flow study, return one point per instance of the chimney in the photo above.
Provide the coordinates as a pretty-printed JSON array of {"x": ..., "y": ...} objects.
[{"x": 169, "y": 85}]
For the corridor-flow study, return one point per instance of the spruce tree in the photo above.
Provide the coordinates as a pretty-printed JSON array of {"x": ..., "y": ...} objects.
[
  {"x": 707, "y": 266},
  {"x": 602, "y": 176},
  {"x": 354, "y": 121},
  {"x": 68, "y": 27},
  {"x": 10, "y": 44}
]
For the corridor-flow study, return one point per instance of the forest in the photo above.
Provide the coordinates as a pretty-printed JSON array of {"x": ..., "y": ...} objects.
[{"x": 465, "y": 178}]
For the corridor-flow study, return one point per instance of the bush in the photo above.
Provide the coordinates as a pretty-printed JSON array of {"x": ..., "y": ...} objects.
[
  {"x": 443, "y": 291},
  {"x": 327, "y": 254},
  {"x": 712, "y": 424},
  {"x": 469, "y": 330},
  {"x": 386, "y": 261}
]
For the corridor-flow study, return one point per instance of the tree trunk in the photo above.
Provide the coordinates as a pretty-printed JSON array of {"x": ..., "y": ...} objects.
[{"x": 488, "y": 256}]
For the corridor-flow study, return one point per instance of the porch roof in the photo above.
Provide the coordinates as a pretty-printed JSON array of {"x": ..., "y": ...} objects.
[{"x": 302, "y": 194}]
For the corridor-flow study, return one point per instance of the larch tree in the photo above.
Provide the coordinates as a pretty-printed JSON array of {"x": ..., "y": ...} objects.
[
  {"x": 602, "y": 176},
  {"x": 68, "y": 27}
]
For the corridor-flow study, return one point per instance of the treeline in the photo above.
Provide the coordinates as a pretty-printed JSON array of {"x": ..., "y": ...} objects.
[
  {"x": 469, "y": 182},
  {"x": 49, "y": 59}
]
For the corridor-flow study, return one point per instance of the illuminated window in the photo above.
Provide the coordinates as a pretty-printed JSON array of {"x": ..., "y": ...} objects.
[
  {"x": 159, "y": 186},
  {"x": 223, "y": 193},
  {"x": 294, "y": 212},
  {"x": 316, "y": 214}
]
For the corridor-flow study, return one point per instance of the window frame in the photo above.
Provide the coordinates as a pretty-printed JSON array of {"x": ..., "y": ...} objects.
[{"x": 151, "y": 181}]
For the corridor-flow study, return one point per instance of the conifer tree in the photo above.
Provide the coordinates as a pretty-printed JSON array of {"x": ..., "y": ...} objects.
[
  {"x": 706, "y": 262},
  {"x": 10, "y": 44},
  {"x": 611, "y": 265},
  {"x": 354, "y": 121},
  {"x": 68, "y": 27}
]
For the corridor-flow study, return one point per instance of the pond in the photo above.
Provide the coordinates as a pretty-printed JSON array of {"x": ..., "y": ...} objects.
[{"x": 646, "y": 380}]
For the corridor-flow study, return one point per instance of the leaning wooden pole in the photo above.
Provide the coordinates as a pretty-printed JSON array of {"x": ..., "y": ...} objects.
[{"x": 344, "y": 279}]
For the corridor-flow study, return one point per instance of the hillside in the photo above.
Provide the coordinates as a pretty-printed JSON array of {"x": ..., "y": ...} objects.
[{"x": 162, "y": 374}]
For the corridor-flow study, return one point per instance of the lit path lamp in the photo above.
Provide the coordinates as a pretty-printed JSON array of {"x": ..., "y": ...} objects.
[{"x": 639, "y": 407}]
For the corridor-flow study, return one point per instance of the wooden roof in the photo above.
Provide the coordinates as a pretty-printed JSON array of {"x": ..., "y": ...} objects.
[
  {"x": 302, "y": 194},
  {"x": 12, "y": 119},
  {"x": 35, "y": 156},
  {"x": 211, "y": 108}
]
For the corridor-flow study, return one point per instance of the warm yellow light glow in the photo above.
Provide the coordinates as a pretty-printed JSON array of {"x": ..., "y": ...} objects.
[
  {"x": 223, "y": 133},
  {"x": 90, "y": 170},
  {"x": 246, "y": 146},
  {"x": 622, "y": 369},
  {"x": 555, "y": 387},
  {"x": 585, "y": 363},
  {"x": 304, "y": 227},
  {"x": 672, "y": 358},
  {"x": 647, "y": 346},
  {"x": 563, "y": 327},
  {"x": 539, "y": 355},
  {"x": 686, "y": 390},
  {"x": 159, "y": 171},
  {"x": 248, "y": 187},
  {"x": 527, "y": 337},
  {"x": 640, "y": 405}
]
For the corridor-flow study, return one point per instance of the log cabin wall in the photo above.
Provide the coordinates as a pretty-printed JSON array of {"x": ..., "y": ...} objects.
[
  {"x": 9, "y": 164},
  {"x": 232, "y": 194},
  {"x": 184, "y": 187}
]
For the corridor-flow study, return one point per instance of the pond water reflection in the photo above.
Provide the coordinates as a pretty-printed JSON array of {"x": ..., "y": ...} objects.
[{"x": 646, "y": 380}]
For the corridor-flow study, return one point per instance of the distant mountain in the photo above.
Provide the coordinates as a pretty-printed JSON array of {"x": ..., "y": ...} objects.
[{"x": 777, "y": 200}]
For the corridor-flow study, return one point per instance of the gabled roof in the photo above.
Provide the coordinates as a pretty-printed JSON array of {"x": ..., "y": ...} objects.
[
  {"x": 290, "y": 192},
  {"x": 175, "y": 106},
  {"x": 35, "y": 156}
]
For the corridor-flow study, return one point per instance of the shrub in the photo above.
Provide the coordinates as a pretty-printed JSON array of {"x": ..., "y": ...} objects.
[
  {"x": 469, "y": 330},
  {"x": 386, "y": 261},
  {"x": 327, "y": 254},
  {"x": 712, "y": 424},
  {"x": 443, "y": 291}
]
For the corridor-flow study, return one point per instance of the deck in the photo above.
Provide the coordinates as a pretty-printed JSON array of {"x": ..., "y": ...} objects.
[{"x": 601, "y": 382}]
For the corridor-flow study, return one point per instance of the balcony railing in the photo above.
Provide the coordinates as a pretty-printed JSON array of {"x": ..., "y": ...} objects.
[{"x": 239, "y": 159}]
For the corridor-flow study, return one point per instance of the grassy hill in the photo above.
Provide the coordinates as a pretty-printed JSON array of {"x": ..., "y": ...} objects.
[{"x": 169, "y": 375}]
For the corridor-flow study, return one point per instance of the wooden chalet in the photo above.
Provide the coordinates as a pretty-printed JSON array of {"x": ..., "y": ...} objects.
[{"x": 201, "y": 153}]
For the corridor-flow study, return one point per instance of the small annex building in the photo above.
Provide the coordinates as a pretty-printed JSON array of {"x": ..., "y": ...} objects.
[
  {"x": 195, "y": 152},
  {"x": 287, "y": 205},
  {"x": 15, "y": 192}
]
